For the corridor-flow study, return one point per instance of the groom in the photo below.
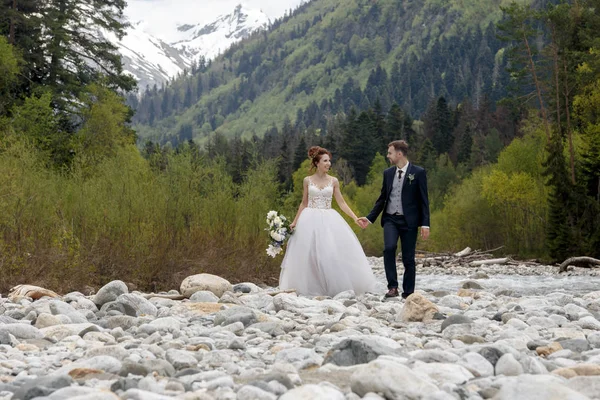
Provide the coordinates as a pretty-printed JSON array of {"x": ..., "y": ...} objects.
[{"x": 405, "y": 207}]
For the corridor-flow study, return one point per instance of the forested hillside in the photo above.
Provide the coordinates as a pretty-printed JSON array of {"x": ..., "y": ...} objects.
[{"x": 328, "y": 57}]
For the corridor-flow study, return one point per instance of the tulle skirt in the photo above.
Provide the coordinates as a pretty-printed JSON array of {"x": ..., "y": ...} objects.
[{"x": 324, "y": 257}]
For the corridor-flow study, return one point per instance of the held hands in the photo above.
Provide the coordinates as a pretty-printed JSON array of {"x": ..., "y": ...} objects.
[{"x": 363, "y": 222}]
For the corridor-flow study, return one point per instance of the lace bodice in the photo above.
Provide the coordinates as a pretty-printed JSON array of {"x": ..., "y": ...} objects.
[{"x": 320, "y": 197}]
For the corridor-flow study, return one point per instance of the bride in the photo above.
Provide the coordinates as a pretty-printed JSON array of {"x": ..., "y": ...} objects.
[{"x": 324, "y": 256}]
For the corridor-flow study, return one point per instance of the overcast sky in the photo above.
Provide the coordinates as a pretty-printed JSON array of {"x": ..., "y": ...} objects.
[{"x": 199, "y": 11}]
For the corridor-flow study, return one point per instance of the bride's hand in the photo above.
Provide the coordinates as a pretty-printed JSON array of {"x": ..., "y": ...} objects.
[
  {"x": 292, "y": 226},
  {"x": 362, "y": 222}
]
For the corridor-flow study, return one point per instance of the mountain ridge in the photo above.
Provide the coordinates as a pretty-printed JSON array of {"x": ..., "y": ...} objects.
[{"x": 326, "y": 52}]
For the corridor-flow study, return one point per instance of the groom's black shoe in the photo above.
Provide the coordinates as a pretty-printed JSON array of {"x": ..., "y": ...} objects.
[
  {"x": 405, "y": 295},
  {"x": 393, "y": 292}
]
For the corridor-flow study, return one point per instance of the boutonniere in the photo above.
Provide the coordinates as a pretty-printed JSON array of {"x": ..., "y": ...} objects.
[{"x": 411, "y": 177}]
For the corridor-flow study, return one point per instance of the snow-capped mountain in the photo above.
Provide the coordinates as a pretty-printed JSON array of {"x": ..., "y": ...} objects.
[
  {"x": 211, "y": 39},
  {"x": 166, "y": 36}
]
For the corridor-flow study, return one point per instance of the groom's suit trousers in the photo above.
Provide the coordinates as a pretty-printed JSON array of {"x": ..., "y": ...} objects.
[{"x": 394, "y": 228}]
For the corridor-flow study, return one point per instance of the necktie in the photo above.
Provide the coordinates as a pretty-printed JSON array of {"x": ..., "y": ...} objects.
[{"x": 399, "y": 174}]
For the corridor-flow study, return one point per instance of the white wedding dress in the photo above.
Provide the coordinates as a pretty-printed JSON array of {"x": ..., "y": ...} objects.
[{"x": 324, "y": 256}]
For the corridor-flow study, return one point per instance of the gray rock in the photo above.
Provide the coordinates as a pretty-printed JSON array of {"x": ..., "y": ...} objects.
[
  {"x": 313, "y": 392},
  {"x": 576, "y": 345},
  {"x": 15, "y": 314},
  {"x": 22, "y": 331},
  {"x": 246, "y": 287},
  {"x": 361, "y": 350},
  {"x": 435, "y": 356},
  {"x": 5, "y": 319},
  {"x": 586, "y": 385},
  {"x": 594, "y": 340},
  {"x": 508, "y": 365},
  {"x": 61, "y": 308},
  {"x": 534, "y": 344},
  {"x": 115, "y": 351},
  {"x": 537, "y": 387},
  {"x": 138, "y": 303},
  {"x": 168, "y": 324},
  {"x": 59, "y": 332},
  {"x": 122, "y": 321},
  {"x": 533, "y": 366},
  {"x": 455, "y": 320},
  {"x": 4, "y": 337},
  {"x": 138, "y": 394},
  {"x": 161, "y": 367},
  {"x": 204, "y": 296},
  {"x": 392, "y": 379},
  {"x": 492, "y": 354},
  {"x": 272, "y": 328},
  {"x": 133, "y": 368},
  {"x": 279, "y": 377},
  {"x": 249, "y": 392},
  {"x": 105, "y": 363},
  {"x": 110, "y": 292},
  {"x": 180, "y": 359},
  {"x": 477, "y": 364},
  {"x": 443, "y": 373},
  {"x": 259, "y": 301},
  {"x": 245, "y": 315},
  {"x": 125, "y": 384},
  {"x": 114, "y": 306},
  {"x": 42, "y": 386},
  {"x": 589, "y": 322},
  {"x": 45, "y": 320},
  {"x": 299, "y": 357},
  {"x": 471, "y": 285}
]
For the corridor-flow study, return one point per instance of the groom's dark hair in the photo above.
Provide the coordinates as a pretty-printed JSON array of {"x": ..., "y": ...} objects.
[{"x": 400, "y": 145}]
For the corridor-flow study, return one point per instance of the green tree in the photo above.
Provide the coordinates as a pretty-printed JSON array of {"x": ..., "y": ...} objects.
[
  {"x": 464, "y": 149},
  {"x": 103, "y": 130},
  {"x": 62, "y": 47},
  {"x": 520, "y": 29},
  {"x": 36, "y": 122},
  {"x": 301, "y": 153},
  {"x": 9, "y": 69}
]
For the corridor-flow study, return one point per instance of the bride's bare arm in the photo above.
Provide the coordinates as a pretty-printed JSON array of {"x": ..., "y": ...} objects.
[
  {"x": 341, "y": 202},
  {"x": 303, "y": 204}
]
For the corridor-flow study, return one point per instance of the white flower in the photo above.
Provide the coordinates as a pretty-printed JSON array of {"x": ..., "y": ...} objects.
[
  {"x": 271, "y": 215},
  {"x": 273, "y": 250},
  {"x": 282, "y": 231},
  {"x": 276, "y": 236},
  {"x": 277, "y": 222},
  {"x": 283, "y": 218}
]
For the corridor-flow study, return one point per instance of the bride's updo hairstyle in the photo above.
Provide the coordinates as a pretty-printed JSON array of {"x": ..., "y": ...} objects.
[{"x": 315, "y": 153}]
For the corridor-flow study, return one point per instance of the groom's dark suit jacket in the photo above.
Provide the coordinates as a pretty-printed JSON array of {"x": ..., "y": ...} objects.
[{"x": 415, "y": 202}]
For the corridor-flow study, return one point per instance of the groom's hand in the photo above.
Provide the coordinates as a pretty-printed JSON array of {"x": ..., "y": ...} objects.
[{"x": 424, "y": 233}]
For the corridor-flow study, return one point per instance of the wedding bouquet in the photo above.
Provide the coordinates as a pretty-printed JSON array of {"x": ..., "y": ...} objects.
[{"x": 279, "y": 231}]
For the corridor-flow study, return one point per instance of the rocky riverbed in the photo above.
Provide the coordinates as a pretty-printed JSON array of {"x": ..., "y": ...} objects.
[{"x": 501, "y": 332}]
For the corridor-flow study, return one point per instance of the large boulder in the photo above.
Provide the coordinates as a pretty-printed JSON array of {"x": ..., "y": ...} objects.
[
  {"x": 208, "y": 282},
  {"x": 110, "y": 292},
  {"x": 418, "y": 309}
]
